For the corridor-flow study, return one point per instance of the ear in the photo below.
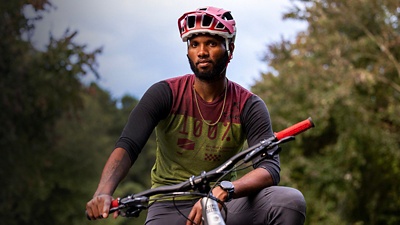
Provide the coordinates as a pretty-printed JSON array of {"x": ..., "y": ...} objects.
[{"x": 231, "y": 49}]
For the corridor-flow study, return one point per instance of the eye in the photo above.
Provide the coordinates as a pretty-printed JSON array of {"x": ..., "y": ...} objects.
[
  {"x": 193, "y": 44},
  {"x": 213, "y": 43}
]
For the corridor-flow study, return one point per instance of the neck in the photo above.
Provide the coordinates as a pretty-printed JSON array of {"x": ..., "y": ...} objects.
[{"x": 209, "y": 91}]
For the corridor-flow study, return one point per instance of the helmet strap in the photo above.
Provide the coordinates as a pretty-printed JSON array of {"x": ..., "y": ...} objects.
[{"x": 230, "y": 56}]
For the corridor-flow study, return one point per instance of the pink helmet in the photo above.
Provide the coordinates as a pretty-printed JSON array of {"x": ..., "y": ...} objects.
[{"x": 209, "y": 20}]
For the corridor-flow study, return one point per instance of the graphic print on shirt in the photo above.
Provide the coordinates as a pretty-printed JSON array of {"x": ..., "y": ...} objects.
[
  {"x": 197, "y": 136},
  {"x": 186, "y": 143}
]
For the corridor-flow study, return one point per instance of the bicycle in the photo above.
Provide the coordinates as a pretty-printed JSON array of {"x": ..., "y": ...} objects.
[{"x": 132, "y": 205}]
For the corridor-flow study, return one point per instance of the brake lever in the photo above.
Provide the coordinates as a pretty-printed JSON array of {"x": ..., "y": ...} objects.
[
  {"x": 130, "y": 206},
  {"x": 268, "y": 145},
  {"x": 271, "y": 154},
  {"x": 132, "y": 212}
]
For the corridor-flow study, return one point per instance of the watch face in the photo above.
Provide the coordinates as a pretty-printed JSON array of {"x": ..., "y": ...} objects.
[{"x": 226, "y": 185}]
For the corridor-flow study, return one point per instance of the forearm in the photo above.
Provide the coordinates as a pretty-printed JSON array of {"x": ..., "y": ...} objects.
[
  {"x": 250, "y": 183},
  {"x": 115, "y": 169}
]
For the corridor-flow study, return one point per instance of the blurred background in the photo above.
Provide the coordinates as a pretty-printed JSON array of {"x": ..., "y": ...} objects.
[{"x": 72, "y": 71}]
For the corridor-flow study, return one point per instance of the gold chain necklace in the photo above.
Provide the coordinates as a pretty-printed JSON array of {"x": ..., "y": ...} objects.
[{"x": 222, "y": 110}]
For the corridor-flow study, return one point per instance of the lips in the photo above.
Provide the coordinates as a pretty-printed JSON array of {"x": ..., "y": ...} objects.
[{"x": 203, "y": 63}]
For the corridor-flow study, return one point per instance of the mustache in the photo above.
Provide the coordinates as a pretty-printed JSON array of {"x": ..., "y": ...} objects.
[
  {"x": 199, "y": 61},
  {"x": 203, "y": 61}
]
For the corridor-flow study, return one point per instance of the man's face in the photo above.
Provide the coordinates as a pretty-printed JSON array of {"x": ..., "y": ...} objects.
[{"x": 207, "y": 57}]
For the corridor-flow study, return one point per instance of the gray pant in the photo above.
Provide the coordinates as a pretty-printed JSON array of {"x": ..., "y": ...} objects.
[{"x": 272, "y": 205}]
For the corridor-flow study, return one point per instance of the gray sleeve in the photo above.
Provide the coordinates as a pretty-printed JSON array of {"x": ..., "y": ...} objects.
[
  {"x": 257, "y": 126},
  {"x": 154, "y": 106}
]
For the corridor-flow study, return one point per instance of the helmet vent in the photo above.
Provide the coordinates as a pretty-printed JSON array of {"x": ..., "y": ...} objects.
[
  {"x": 207, "y": 20},
  {"x": 191, "y": 22},
  {"x": 220, "y": 26},
  {"x": 227, "y": 16}
]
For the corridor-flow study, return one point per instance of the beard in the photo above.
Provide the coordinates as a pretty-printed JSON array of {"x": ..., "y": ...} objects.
[{"x": 217, "y": 71}]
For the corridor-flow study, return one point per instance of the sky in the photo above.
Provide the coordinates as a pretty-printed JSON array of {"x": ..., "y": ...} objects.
[{"x": 141, "y": 43}]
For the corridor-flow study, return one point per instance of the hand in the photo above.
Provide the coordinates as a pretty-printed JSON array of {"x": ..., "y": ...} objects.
[
  {"x": 219, "y": 193},
  {"x": 195, "y": 216},
  {"x": 99, "y": 206}
]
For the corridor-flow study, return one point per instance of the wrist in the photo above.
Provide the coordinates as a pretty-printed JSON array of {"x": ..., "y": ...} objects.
[
  {"x": 97, "y": 194},
  {"x": 229, "y": 188}
]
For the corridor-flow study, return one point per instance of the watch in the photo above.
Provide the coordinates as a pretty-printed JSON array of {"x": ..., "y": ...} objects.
[{"x": 229, "y": 188}]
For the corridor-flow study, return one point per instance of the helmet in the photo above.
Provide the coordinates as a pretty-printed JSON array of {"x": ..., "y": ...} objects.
[{"x": 209, "y": 20}]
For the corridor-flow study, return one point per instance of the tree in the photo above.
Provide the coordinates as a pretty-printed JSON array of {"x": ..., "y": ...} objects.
[
  {"x": 56, "y": 133},
  {"x": 86, "y": 138},
  {"x": 344, "y": 71},
  {"x": 37, "y": 89}
]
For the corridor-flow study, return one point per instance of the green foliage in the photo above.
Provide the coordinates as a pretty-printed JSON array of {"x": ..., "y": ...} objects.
[
  {"x": 344, "y": 71},
  {"x": 56, "y": 133},
  {"x": 82, "y": 142},
  {"x": 38, "y": 88},
  {"x": 87, "y": 139}
]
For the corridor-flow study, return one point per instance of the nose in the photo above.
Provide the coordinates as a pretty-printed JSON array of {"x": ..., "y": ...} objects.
[{"x": 202, "y": 51}]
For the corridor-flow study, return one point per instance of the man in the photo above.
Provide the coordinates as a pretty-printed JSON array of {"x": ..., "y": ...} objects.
[{"x": 201, "y": 120}]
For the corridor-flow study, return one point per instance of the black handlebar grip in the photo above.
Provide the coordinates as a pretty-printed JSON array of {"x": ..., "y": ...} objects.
[{"x": 295, "y": 129}]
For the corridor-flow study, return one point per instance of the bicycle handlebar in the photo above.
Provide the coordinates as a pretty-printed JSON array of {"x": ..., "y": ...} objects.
[
  {"x": 193, "y": 182},
  {"x": 295, "y": 129}
]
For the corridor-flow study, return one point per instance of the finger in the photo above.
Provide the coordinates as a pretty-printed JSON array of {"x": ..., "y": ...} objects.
[
  {"x": 116, "y": 214},
  {"x": 98, "y": 209},
  {"x": 106, "y": 207},
  {"x": 87, "y": 215},
  {"x": 91, "y": 210},
  {"x": 198, "y": 217},
  {"x": 88, "y": 212},
  {"x": 197, "y": 213},
  {"x": 191, "y": 216}
]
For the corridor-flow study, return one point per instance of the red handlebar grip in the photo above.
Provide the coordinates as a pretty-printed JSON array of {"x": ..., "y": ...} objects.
[
  {"x": 295, "y": 129},
  {"x": 115, "y": 203}
]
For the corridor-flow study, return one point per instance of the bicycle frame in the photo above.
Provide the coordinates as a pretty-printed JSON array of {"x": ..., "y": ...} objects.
[
  {"x": 211, "y": 212},
  {"x": 132, "y": 205}
]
